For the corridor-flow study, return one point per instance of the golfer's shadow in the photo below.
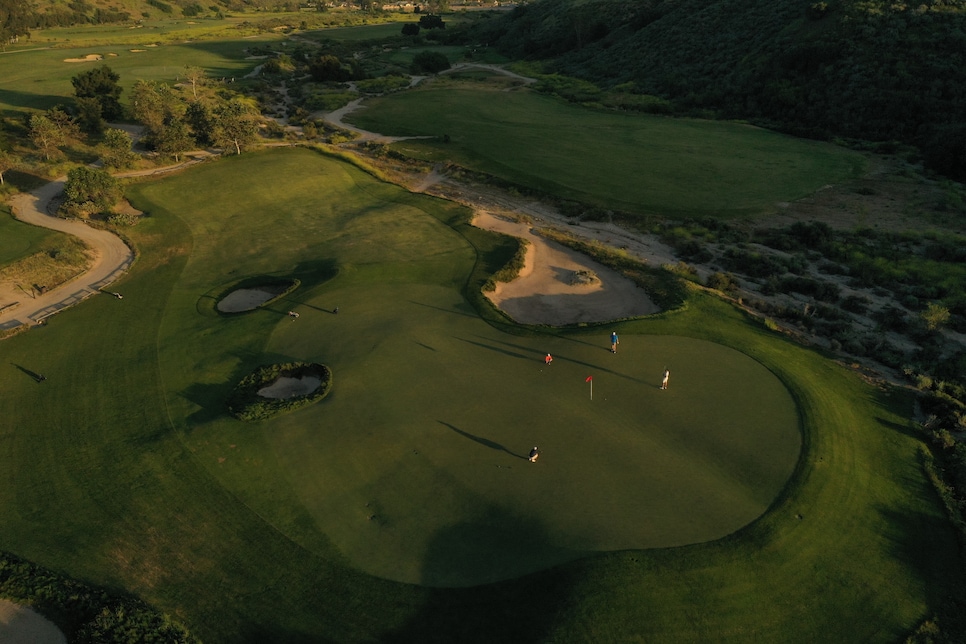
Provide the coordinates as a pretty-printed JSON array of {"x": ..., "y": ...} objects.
[
  {"x": 482, "y": 441},
  {"x": 36, "y": 376}
]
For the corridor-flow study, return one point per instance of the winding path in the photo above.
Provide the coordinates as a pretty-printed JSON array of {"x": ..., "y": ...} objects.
[{"x": 112, "y": 257}]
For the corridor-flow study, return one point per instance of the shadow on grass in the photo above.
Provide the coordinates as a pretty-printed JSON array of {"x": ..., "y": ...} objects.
[
  {"x": 211, "y": 398},
  {"x": 482, "y": 441},
  {"x": 927, "y": 546},
  {"x": 36, "y": 376},
  {"x": 902, "y": 428},
  {"x": 512, "y": 354},
  {"x": 453, "y": 311},
  {"x": 519, "y": 610}
]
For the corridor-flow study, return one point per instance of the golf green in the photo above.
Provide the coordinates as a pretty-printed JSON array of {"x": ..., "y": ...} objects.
[{"x": 414, "y": 468}]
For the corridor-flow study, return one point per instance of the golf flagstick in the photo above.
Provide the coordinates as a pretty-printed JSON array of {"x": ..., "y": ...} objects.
[{"x": 590, "y": 379}]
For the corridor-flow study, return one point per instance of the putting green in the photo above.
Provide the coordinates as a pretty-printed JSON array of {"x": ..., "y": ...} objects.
[{"x": 413, "y": 468}]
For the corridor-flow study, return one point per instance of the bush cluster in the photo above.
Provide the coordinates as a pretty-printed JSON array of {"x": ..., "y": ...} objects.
[
  {"x": 512, "y": 268},
  {"x": 87, "y": 614}
]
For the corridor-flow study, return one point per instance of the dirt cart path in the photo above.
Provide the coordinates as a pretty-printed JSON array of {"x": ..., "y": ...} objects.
[{"x": 111, "y": 258}]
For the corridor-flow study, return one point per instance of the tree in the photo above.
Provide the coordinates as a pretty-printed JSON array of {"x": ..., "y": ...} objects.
[
  {"x": 174, "y": 139},
  {"x": 116, "y": 149},
  {"x": 89, "y": 191},
  {"x": 89, "y": 115},
  {"x": 329, "y": 68},
  {"x": 45, "y": 134},
  {"x": 100, "y": 83},
  {"x": 236, "y": 125},
  {"x": 431, "y": 62},
  {"x": 201, "y": 120},
  {"x": 196, "y": 77},
  {"x": 410, "y": 29},
  {"x": 7, "y": 162},
  {"x": 15, "y": 18},
  {"x": 431, "y": 21}
]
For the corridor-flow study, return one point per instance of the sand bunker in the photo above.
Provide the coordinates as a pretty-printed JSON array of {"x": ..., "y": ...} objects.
[
  {"x": 86, "y": 59},
  {"x": 557, "y": 286},
  {"x": 291, "y": 387},
  {"x": 137, "y": 51},
  {"x": 21, "y": 625},
  {"x": 247, "y": 299}
]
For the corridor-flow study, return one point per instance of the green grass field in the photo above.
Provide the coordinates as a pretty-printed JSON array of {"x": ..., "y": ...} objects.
[
  {"x": 41, "y": 79},
  {"x": 632, "y": 162},
  {"x": 19, "y": 240},
  {"x": 304, "y": 527}
]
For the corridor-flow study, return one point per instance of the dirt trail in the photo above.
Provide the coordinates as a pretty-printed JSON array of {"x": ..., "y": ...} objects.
[{"x": 111, "y": 256}]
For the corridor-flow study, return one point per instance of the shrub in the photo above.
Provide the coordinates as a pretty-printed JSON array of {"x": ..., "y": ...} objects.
[
  {"x": 429, "y": 62},
  {"x": 509, "y": 272},
  {"x": 723, "y": 282}
]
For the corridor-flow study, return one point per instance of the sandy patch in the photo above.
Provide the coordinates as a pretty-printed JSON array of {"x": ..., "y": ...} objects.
[
  {"x": 291, "y": 387},
  {"x": 546, "y": 291},
  {"x": 245, "y": 299},
  {"x": 137, "y": 51},
  {"x": 21, "y": 625},
  {"x": 86, "y": 59}
]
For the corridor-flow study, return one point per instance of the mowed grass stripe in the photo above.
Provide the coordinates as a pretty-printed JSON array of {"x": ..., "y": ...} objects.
[{"x": 638, "y": 163}]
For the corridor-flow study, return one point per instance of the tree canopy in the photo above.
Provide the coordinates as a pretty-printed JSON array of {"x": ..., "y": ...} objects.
[{"x": 101, "y": 85}]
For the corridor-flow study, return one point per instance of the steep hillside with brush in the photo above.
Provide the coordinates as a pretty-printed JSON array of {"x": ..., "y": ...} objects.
[{"x": 867, "y": 69}]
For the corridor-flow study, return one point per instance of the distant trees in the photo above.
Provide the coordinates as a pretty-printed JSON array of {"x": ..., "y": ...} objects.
[
  {"x": 15, "y": 19},
  {"x": 431, "y": 21},
  {"x": 410, "y": 29}
]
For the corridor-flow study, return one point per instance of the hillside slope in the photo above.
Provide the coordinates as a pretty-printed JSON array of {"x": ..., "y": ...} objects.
[{"x": 863, "y": 69}]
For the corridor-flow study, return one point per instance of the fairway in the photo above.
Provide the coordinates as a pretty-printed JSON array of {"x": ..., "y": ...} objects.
[
  {"x": 790, "y": 490},
  {"x": 41, "y": 79},
  {"x": 414, "y": 466},
  {"x": 638, "y": 163}
]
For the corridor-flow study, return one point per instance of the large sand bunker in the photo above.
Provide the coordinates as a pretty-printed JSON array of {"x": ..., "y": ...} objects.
[
  {"x": 549, "y": 290},
  {"x": 89, "y": 58},
  {"x": 286, "y": 387},
  {"x": 21, "y": 625}
]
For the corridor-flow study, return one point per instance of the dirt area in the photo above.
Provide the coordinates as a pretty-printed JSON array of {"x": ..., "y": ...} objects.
[
  {"x": 21, "y": 625},
  {"x": 291, "y": 387}
]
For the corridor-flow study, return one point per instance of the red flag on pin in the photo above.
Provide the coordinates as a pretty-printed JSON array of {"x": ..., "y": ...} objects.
[{"x": 589, "y": 378}]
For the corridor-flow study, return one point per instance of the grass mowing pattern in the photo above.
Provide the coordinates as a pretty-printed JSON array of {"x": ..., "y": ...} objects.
[
  {"x": 101, "y": 486},
  {"x": 636, "y": 163}
]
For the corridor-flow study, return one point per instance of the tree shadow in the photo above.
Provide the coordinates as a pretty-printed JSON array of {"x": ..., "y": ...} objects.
[
  {"x": 498, "y": 544},
  {"x": 902, "y": 428},
  {"x": 482, "y": 441},
  {"x": 211, "y": 398}
]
